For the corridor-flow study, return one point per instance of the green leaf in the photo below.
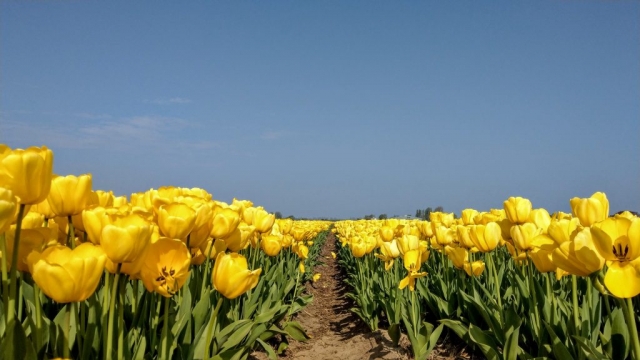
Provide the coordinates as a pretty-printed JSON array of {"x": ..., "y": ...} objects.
[
  {"x": 590, "y": 350},
  {"x": 620, "y": 339},
  {"x": 295, "y": 330},
  {"x": 485, "y": 342},
  {"x": 270, "y": 353},
  {"x": 559, "y": 349},
  {"x": 394, "y": 333},
  {"x": 238, "y": 335}
]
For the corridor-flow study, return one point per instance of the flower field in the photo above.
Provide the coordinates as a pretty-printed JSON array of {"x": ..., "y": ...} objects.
[{"x": 172, "y": 273}]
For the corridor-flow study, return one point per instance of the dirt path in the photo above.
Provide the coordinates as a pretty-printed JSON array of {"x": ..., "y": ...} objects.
[{"x": 336, "y": 332}]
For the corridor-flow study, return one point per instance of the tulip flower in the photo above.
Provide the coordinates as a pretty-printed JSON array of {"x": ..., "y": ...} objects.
[
  {"x": 219, "y": 246},
  {"x": 125, "y": 238},
  {"x": 358, "y": 248},
  {"x": 8, "y": 206},
  {"x": 388, "y": 252},
  {"x": 165, "y": 268},
  {"x": 70, "y": 194},
  {"x": 517, "y": 209},
  {"x": 316, "y": 277},
  {"x": 486, "y": 237},
  {"x": 176, "y": 220},
  {"x": 263, "y": 221},
  {"x": 475, "y": 268},
  {"x": 468, "y": 215},
  {"x": 67, "y": 275},
  {"x": 412, "y": 260},
  {"x": 271, "y": 245},
  {"x": 523, "y": 235},
  {"x": 578, "y": 256},
  {"x": 618, "y": 241},
  {"x": 225, "y": 222},
  {"x": 27, "y": 173},
  {"x": 231, "y": 276},
  {"x": 590, "y": 210}
]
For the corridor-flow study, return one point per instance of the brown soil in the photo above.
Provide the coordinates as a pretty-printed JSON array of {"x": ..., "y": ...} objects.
[{"x": 338, "y": 333}]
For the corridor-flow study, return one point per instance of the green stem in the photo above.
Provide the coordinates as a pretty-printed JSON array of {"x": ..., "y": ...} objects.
[
  {"x": 574, "y": 298},
  {"x": 633, "y": 329},
  {"x": 112, "y": 304},
  {"x": 79, "y": 333},
  {"x": 105, "y": 309},
  {"x": 11, "y": 304},
  {"x": 5, "y": 277},
  {"x": 156, "y": 319},
  {"x": 214, "y": 317},
  {"x": 36, "y": 301},
  {"x": 71, "y": 235},
  {"x": 121, "y": 323},
  {"x": 165, "y": 344},
  {"x": 65, "y": 333}
]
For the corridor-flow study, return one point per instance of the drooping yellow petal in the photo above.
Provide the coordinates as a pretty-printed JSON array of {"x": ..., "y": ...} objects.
[{"x": 623, "y": 280}]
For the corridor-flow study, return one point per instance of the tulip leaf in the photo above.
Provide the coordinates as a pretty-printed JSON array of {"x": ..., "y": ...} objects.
[
  {"x": 270, "y": 352},
  {"x": 239, "y": 333},
  {"x": 589, "y": 349},
  {"x": 456, "y": 326},
  {"x": 16, "y": 345},
  {"x": 295, "y": 330},
  {"x": 620, "y": 340},
  {"x": 394, "y": 333},
  {"x": 485, "y": 342},
  {"x": 559, "y": 349}
]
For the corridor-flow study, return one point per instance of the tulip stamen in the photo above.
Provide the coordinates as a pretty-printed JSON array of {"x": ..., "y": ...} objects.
[{"x": 621, "y": 255}]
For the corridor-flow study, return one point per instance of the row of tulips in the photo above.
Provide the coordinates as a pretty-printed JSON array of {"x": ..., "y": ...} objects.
[
  {"x": 514, "y": 282},
  {"x": 168, "y": 273}
]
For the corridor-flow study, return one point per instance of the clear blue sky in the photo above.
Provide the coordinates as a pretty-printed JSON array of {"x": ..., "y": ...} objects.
[{"x": 332, "y": 108}]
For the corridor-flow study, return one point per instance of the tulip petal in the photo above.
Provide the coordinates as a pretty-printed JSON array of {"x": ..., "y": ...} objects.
[{"x": 623, "y": 280}]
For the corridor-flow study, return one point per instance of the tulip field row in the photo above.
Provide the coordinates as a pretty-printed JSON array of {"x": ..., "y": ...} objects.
[
  {"x": 168, "y": 273},
  {"x": 512, "y": 283},
  {"x": 172, "y": 273}
]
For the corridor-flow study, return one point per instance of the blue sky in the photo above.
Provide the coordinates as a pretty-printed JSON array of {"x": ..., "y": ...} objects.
[{"x": 332, "y": 108}]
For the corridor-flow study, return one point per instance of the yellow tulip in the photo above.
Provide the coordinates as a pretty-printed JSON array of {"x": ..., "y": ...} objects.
[
  {"x": 27, "y": 173},
  {"x": 578, "y": 256},
  {"x": 412, "y": 260},
  {"x": 517, "y": 209},
  {"x": 44, "y": 208},
  {"x": 542, "y": 260},
  {"x": 271, "y": 245},
  {"x": 486, "y": 237},
  {"x": 125, "y": 238},
  {"x": 444, "y": 235},
  {"x": 94, "y": 220},
  {"x": 468, "y": 215},
  {"x": 386, "y": 233},
  {"x": 225, "y": 222},
  {"x": 119, "y": 201},
  {"x": 231, "y": 276},
  {"x": 523, "y": 235},
  {"x": 67, "y": 275},
  {"x": 105, "y": 198},
  {"x": 30, "y": 240},
  {"x": 459, "y": 256},
  {"x": 618, "y": 241},
  {"x": 8, "y": 206},
  {"x": 316, "y": 277},
  {"x": 263, "y": 221},
  {"x": 464, "y": 236},
  {"x": 70, "y": 194},
  {"x": 165, "y": 268},
  {"x": 590, "y": 210},
  {"x": 176, "y": 220},
  {"x": 475, "y": 268},
  {"x": 388, "y": 252}
]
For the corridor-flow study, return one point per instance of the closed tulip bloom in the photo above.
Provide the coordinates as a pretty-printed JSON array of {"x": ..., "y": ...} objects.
[
  {"x": 358, "y": 248},
  {"x": 119, "y": 201},
  {"x": 523, "y": 235},
  {"x": 203, "y": 224},
  {"x": 165, "y": 268},
  {"x": 27, "y": 173},
  {"x": 235, "y": 241},
  {"x": 464, "y": 236},
  {"x": 618, "y": 241},
  {"x": 231, "y": 276},
  {"x": 468, "y": 215},
  {"x": 302, "y": 251},
  {"x": 486, "y": 237},
  {"x": 475, "y": 268},
  {"x": 105, "y": 198},
  {"x": 541, "y": 258},
  {"x": 444, "y": 235},
  {"x": 457, "y": 255},
  {"x": 407, "y": 243},
  {"x": 8, "y": 206},
  {"x": 67, "y": 275},
  {"x": 563, "y": 230},
  {"x": 285, "y": 225},
  {"x": 70, "y": 194},
  {"x": 386, "y": 233},
  {"x": 388, "y": 252},
  {"x": 541, "y": 218},
  {"x": 125, "y": 238},
  {"x": 271, "y": 245},
  {"x": 263, "y": 221},
  {"x": 247, "y": 214},
  {"x": 517, "y": 209},
  {"x": 579, "y": 255},
  {"x": 94, "y": 220},
  {"x": 590, "y": 210},
  {"x": 176, "y": 220},
  {"x": 225, "y": 222},
  {"x": 32, "y": 220}
]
